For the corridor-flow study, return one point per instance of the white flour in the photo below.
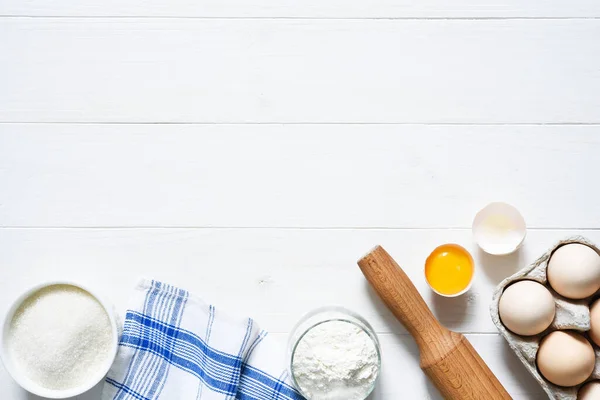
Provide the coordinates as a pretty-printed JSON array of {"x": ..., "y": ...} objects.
[
  {"x": 336, "y": 360},
  {"x": 60, "y": 337}
]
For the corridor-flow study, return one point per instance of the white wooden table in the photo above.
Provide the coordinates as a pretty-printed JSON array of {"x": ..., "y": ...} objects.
[{"x": 251, "y": 152}]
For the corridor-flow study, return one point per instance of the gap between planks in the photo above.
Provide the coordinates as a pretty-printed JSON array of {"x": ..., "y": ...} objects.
[
  {"x": 297, "y": 18},
  {"x": 288, "y": 228},
  {"x": 192, "y": 123}
]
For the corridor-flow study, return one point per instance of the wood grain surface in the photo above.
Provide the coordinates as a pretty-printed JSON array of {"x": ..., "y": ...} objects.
[
  {"x": 309, "y": 176},
  {"x": 305, "y": 9},
  {"x": 299, "y": 71},
  {"x": 251, "y": 152}
]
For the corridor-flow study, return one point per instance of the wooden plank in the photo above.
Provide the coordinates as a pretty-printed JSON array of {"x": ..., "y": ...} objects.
[
  {"x": 308, "y": 9},
  {"x": 286, "y": 70},
  {"x": 295, "y": 175},
  {"x": 279, "y": 273},
  {"x": 400, "y": 378},
  {"x": 305, "y": 9},
  {"x": 507, "y": 367}
]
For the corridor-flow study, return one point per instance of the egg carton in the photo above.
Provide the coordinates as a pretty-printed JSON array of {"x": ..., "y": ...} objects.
[{"x": 570, "y": 315}]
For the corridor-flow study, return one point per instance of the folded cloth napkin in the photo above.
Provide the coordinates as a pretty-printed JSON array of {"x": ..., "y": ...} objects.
[{"x": 176, "y": 347}]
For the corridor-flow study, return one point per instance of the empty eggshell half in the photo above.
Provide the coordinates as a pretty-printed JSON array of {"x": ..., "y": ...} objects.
[
  {"x": 589, "y": 391},
  {"x": 574, "y": 271},
  {"x": 499, "y": 228},
  {"x": 565, "y": 358},
  {"x": 526, "y": 308}
]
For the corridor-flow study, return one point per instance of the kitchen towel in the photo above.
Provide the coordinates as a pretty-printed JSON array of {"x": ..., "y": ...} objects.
[{"x": 176, "y": 347}]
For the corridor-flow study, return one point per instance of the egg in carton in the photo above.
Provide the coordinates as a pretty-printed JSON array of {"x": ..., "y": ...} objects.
[{"x": 571, "y": 315}]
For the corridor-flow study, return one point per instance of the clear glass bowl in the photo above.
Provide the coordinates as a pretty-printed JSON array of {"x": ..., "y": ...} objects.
[{"x": 320, "y": 316}]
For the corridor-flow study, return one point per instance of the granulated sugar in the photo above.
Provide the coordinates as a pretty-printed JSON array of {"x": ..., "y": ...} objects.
[
  {"x": 60, "y": 337},
  {"x": 336, "y": 360}
]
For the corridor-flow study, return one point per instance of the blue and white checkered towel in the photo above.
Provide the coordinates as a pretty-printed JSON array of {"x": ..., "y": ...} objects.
[{"x": 176, "y": 347}]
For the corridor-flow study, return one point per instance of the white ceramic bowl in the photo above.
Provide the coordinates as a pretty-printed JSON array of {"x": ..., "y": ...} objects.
[
  {"x": 33, "y": 387},
  {"x": 499, "y": 229}
]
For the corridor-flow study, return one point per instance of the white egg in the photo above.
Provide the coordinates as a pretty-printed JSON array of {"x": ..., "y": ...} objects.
[
  {"x": 595, "y": 322},
  {"x": 565, "y": 358},
  {"x": 589, "y": 391},
  {"x": 574, "y": 271},
  {"x": 527, "y": 308}
]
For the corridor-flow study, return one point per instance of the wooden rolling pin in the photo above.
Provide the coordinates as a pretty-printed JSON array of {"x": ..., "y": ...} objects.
[{"x": 447, "y": 357}]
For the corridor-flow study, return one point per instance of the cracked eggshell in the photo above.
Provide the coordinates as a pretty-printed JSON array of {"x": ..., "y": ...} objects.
[
  {"x": 499, "y": 228},
  {"x": 574, "y": 271}
]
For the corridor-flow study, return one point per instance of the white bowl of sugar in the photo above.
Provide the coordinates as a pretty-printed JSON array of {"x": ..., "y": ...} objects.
[{"x": 59, "y": 340}]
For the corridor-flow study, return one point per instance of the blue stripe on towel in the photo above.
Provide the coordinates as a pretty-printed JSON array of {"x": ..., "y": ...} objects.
[{"x": 159, "y": 343}]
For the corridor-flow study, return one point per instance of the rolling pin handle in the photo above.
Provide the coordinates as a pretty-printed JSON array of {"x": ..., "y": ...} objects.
[{"x": 447, "y": 357}]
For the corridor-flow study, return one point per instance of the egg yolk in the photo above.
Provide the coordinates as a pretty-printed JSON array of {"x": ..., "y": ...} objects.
[{"x": 449, "y": 269}]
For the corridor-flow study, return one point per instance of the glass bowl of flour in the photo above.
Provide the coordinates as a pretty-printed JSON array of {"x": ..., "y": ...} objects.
[
  {"x": 334, "y": 354},
  {"x": 59, "y": 340}
]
